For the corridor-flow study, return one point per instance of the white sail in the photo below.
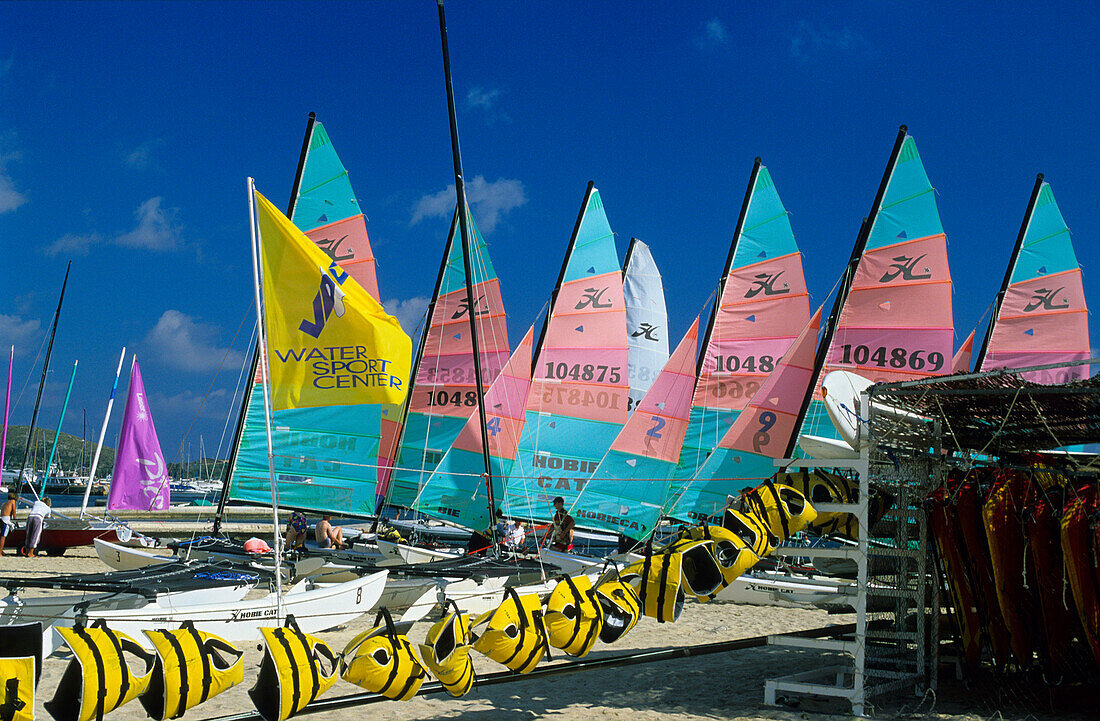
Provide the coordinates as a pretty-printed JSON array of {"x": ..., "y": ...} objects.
[{"x": 646, "y": 319}]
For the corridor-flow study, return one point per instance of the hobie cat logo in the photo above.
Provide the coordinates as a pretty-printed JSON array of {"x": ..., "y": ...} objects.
[
  {"x": 593, "y": 297},
  {"x": 647, "y": 330},
  {"x": 765, "y": 283},
  {"x": 903, "y": 267},
  {"x": 331, "y": 246},
  {"x": 1044, "y": 298},
  {"x": 464, "y": 308},
  {"x": 329, "y": 300}
]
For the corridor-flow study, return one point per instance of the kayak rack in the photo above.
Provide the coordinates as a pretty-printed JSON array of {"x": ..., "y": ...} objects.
[{"x": 559, "y": 669}]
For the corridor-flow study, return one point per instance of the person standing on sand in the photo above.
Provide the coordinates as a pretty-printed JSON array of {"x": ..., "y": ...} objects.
[
  {"x": 561, "y": 530},
  {"x": 7, "y": 518},
  {"x": 36, "y": 521}
]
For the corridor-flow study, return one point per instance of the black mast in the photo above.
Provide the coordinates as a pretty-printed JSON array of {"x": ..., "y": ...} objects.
[
  {"x": 561, "y": 275},
  {"x": 845, "y": 287},
  {"x": 729, "y": 263},
  {"x": 1008, "y": 271},
  {"x": 460, "y": 190},
  {"x": 42, "y": 381},
  {"x": 241, "y": 417}
]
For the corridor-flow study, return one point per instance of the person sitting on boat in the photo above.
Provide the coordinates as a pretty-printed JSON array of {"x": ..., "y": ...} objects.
[
  {"x": 36, "y": 520},
  {"x": 296, "y": 530},
  {"x": 561, "y": 530},
  {"x": 328, "y": 535},
  {"x": 7, "y": 518},
  {"x": 514, "y": 535}
]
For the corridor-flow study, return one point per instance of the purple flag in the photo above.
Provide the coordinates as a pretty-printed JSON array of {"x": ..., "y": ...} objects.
[{"x": 140, "y": 478}]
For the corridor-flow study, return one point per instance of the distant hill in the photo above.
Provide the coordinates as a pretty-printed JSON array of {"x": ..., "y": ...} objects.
[{"x": 74, "y": 455}]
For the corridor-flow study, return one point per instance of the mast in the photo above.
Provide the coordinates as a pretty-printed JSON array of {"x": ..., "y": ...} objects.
[
  {"x": 845, "y": 287},
  {"x": 561, "y": 275},
  {"x": 7, "y": 407},
  {"x": 42, "y": 381},
  {"x": 243, "y": 415},
  {"x": 102, "y": 433},
  {"x": 57, "y": 433},
  {"x": 460, "y": 190},
  {"x": 1008, "y": 271},
  {"x": 729, "y": 264}
]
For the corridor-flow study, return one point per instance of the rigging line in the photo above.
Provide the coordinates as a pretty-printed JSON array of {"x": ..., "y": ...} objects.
[{"x": 236, "y": 389}]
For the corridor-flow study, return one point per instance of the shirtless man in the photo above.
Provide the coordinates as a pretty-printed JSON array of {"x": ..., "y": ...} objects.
[
  {"x": 7, "y": 518},
  {"x": 329, "y": 536}
]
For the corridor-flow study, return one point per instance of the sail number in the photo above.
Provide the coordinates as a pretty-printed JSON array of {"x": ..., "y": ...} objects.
[
  {"x": 577, "y": 397},
  {"x": 458, "y": 398},
  {"x": 586, "y": 372},
  {"x": 747, "y": 364},
  {"x": 761, "y": 437},
  {"x": 735, "y": 389},
  {"x": 893, "y": 357}
]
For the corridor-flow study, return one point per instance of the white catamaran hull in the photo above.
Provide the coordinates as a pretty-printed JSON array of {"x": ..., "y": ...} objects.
[
  {"x": 314, "y": 610},
  {"x": 400, "y": 553},
  {"x": 125, "y": 558}
]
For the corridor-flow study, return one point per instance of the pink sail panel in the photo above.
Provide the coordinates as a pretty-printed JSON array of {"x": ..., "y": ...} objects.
[
  {"x": 445, "y": 381},
  {"x": 389, "y": 435},
  {"x": 768, "y": 421},
  {"x": 582, "y": 369},
  {"x": 763, "y": 307},
  {"x": 140, "y": 477},
  {"x": 657, "y": 427},
  {"x": 346, "y": 242},
  {"x": 505, "y": 406},
  {"x": 961, "y": 362}
]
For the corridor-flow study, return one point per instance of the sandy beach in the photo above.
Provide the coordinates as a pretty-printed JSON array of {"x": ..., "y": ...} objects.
[{"x": 719, "y": 686}]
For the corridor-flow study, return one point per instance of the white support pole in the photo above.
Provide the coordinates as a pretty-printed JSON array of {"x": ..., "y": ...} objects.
[
  {"x": 257, "y": 275},
  {"x": 102, "y": 433}
]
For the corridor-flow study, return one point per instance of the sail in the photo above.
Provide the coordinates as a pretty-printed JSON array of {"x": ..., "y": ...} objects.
[
  {"x": 578, "y": 398},
  {"x": 139, "y": 480},
  {"x": 895, "y": 323},
  {"x": 762, "y": 306},
  {"x": 445, "y": 391},
  {"x": 627, "y": 491},
  {"x": 455, "y": 490},
  {"x": 325, "y": 457},
  {"x": 646, "y": 320},
  {"x": 961, "y": 362},
  {"x": 1043, "y": 317},
  {"x": 761, "y": 433}
]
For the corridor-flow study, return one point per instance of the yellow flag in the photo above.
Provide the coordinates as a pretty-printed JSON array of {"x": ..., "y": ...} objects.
[{"x": 329, "y": 342}]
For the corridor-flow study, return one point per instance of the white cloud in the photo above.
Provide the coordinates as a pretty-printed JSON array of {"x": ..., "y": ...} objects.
[
  {"x": 143, "y": 156},
  {"x": 184, "y": 406},
  {"x": 479, "y": 97},
  {"x": 10, "y": 198},
  {"x": 179, "y": 341},
  {"x": 714, "y": 34},
  {"x": 490, "y": 201},
  {"x": 810, "y": 41},
  {"x": 18, "y": 331},
  {"x": 73, "y": 244},
  {"x": 157, "y": 228},
  {"x": 409, "y": 311}
]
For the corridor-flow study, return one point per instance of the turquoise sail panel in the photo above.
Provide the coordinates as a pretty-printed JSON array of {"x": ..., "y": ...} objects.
[
  {"x": 579, "y": 390},
  {"x": 1047, "y": 247},
  {"x": 325, "y": 195},
  {"x": 763, "y": 306},
  {"x": 444, "y": 392},
  {"x": 726, "y": 471},
  {"x": 325, "y": 458},
  {"x": 908, "y": 210}
]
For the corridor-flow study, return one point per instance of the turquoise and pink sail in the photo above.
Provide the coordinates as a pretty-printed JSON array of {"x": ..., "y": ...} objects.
[
  {"x": 139, "y": 480},
  {"x": 456, "y": 488},
  {"x": 1041, "y": 314},
  {"x": 580, "y": 380},
  {"x": 626, "y": 493},
  {"x": 895, "y": 318},
  {"x": 762, "y": 306},
  {"x": 646, "y": 320},
  {"x": 761, "y": 433},
  {"x": 326, "y": 457},
  {"x": 444, "y": 391}
]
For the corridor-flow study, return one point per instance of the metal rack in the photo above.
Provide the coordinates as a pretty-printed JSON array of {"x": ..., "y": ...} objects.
[{"x": 895, "y": 641}]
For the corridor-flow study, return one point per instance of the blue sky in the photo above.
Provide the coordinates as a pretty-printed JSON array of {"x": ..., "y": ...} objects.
[{"x": 127, "y": 131}]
